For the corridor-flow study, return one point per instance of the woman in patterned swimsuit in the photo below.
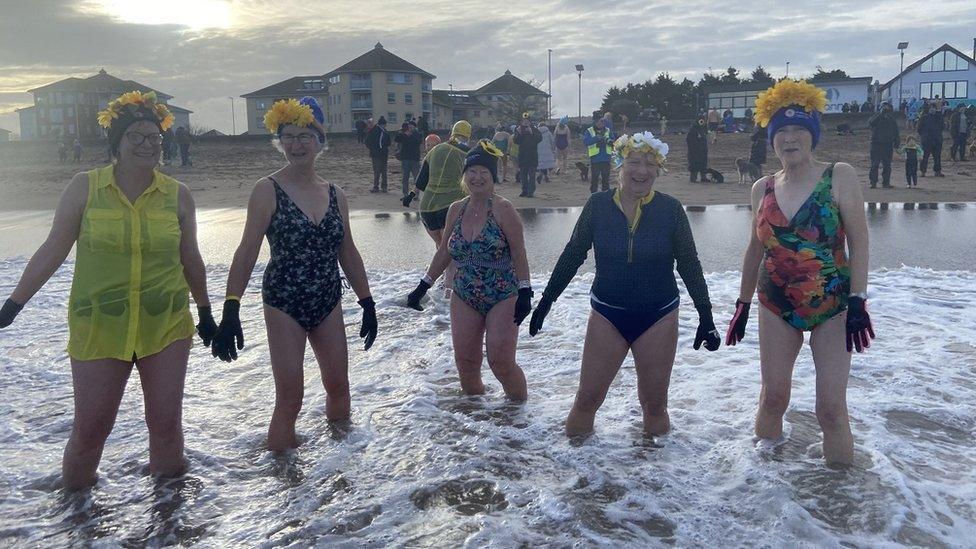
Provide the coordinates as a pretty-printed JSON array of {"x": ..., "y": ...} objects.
[
  {"x": 491, "y": 285},
  {"x": 804, "y": 216},
  {"x": 301, "y": 288}
]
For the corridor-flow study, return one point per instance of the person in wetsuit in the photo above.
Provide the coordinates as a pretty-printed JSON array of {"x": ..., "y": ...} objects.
[
  {"x": 136, "y": 264},
  {"x": 306, "y": 221},
  {"x": 805, "y": 214},
  {"x": 491, "y": 283},
  {"x": 637, "y": 235}
]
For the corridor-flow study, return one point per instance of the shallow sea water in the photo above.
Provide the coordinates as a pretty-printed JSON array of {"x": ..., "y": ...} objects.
[{"x": 422, "y": 465}]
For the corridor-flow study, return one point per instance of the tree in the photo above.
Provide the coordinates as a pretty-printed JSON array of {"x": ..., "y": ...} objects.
[
  {"x": 760, "y": 76},
  {"x": 626, "y": 107},
  {"x": 511, "y": 107},
  {"x": 731, "y": 76},
  {"x": 821, "y": 75}
]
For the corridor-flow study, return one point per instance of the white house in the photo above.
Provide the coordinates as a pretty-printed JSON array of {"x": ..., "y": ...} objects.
[{"x": 946, "y": 73}]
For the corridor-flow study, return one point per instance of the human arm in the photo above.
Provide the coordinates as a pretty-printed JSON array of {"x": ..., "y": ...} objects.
[
  {"x": 442, "y": 257},
  {"x": 573, "y": 255},
  {"x": 352, "y": 265},
  {"x": 750, "y": 273},
  {"x": 260, "y": 208},
  {"x": 850, "y": 202},
  {"x": 55, "y": 248},
  {"x": 194, "y": 270},
  {"x": 690, "y": 269},
  {"x": 511, "y": 225},
  {"x": 423, "y": 177}
]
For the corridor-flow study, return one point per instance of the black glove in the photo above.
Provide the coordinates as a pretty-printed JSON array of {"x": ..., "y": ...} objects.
[
  {"x": 737, "y": 326},
  {"x": 229, "y": 330},
  {"x": 369, "y": 327},
  {"x": 539, "y": 316},
  {"x": 707, "y": 334},
  {"x": 523, "y": 306},
  {"x": 406, "y": 200},
  {"x": 413, "y": 300},
  {"x": 859, "y": 329},
  {"x": 207, "y": 327},
  {"x": 9, "y": 312}
]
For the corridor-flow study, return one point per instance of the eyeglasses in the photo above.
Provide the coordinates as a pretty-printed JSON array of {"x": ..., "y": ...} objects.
[
  {"x": 303, "y": 138},
  {"x": 137, "y": 138}
]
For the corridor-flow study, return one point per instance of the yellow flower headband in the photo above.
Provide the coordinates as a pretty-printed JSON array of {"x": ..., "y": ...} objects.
[
  {"x": 786, "y": 93},
  {"x": 136, "y": 99},
  {"x": 287, "y": 111},
  {"x": 491, "y": 148},
  {"x": 643, "y": 142}
]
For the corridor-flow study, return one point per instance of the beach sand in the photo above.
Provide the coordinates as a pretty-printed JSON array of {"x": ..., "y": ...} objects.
[{"x": 31, "y": 178}]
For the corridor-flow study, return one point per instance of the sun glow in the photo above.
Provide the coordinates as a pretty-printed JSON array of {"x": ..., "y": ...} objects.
[{"x": 193, "y": 14}]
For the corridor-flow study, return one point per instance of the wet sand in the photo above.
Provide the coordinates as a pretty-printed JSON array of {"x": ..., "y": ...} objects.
[{"x": 223, "y": 173}]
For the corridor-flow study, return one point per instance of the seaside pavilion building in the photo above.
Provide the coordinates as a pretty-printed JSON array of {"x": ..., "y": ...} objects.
[
  {"x": 740, "y": 97},
  {"x": 377, "y": 83},
  {"x": 945, "y": 72},
  {"x": 67, "y": 109}
]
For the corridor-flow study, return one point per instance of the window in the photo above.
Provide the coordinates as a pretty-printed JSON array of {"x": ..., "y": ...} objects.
[
  {"x": 958, "y": 89},
  {"x": 925, "y": 90},
  {"x": 399, "y": 78},
  {"x": 944, "y": 61},
  {"x": 391, "y": 97},
  {"x": 70, "y": 111},
  {"x": 408, "y": 98},
  {"x": 477, "y": 113},
  {"x": 313, "y": 84},
  {"x": 262, "y": 104},
  {"x": 391, "y": 117},
  {"x": 259, "y": 121},
  {"x": 71, "y": 130},
  {"x": 334, "y": 79},
  {"x": 407, "y": 116},
  {"x": 56, "y": 115}
]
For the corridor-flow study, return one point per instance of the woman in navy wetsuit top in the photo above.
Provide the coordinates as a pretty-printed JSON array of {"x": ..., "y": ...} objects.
[{"x": 637, "y": 235}]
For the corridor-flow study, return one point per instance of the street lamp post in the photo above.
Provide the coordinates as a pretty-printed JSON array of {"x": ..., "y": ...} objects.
[
  {"x": 902, "y": 46},
  {"x": 233, "y": 116},
  {"x": 579, "y": 96},
  {"x": 549, "y": 99},
  {"x": 787, "y": 69}
]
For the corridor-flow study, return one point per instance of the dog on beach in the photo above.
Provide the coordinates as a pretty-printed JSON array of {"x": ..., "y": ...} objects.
[
  {"x": 714, "y": 176},
  {"x": 844, "y": 129},
  {"x": 748, "y": 172},
  {"x": 584, "y": 170}
]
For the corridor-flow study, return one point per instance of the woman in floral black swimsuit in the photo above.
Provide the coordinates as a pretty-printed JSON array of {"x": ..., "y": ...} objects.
[{"x": 301, "y": 288}]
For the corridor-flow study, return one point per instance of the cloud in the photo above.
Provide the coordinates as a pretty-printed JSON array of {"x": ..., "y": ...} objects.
[{"x": 466, "y": 44}]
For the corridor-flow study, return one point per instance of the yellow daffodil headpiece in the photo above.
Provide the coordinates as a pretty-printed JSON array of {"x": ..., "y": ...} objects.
[
  {"x": 643, "y": 142},
  {"x": 789, "y": 93},
  {"x": 287, "y": 111},
  {"x": 133, "y": 106},
  {"x": 486, "y": 154}
]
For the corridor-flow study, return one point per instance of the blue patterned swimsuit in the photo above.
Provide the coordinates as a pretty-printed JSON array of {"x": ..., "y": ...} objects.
[
  {"x": 485, "y": 274},
  {"x": 302, "y": 279}
]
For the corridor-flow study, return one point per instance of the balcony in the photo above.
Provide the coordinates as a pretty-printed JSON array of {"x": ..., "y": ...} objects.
[
  {"x": 362, "y": 105},
  {"x": 360, "y": 84}
]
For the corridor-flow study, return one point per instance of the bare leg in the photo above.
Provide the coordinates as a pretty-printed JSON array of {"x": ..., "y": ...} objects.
[
  {"x": 604, "y": 350},
  {"x": 833, "y": 364},
  {"x": 163, "y": 375},
  {"x": 467, "y": 332},
  {"x": 328, "y": 342},
  {"x": 779, "y": 344},
  {"x": 286, "y": 343},
  {"x": 98, "y": 389},
  {"x": 501, "y": 339},
  {"x": 653, "y": 359}
]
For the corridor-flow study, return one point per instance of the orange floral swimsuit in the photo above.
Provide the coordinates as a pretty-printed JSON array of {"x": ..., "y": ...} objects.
[{"x": 804, "y": 277}]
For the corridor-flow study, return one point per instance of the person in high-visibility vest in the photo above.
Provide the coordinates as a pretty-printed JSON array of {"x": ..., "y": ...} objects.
[{"x": 598, "y": 139}]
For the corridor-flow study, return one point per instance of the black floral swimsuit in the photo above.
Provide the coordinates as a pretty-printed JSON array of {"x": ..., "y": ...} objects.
[{"x": 302, "y": 279}]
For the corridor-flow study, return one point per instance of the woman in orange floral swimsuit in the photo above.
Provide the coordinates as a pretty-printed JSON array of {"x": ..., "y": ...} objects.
[{"x": 808, "y": 216}]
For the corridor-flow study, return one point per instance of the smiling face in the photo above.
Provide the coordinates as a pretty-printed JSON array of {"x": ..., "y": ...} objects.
[
  {"x": 478, "y": 181},
  {"x": 141, "y": 145},
  {"x": 638, "y": 173},
  {"x": 300, "y": 145},
  {"x": 793, "y": 145}
]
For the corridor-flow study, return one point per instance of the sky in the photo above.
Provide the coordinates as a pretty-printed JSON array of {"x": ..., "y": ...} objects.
[{"x": 205, "y": 51}]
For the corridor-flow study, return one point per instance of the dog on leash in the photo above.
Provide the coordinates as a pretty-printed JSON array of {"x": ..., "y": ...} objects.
[
  {"x": 844, "y": 129},
  {"x": 584, "y": 170},
  {"x": 748, "y": 172}
]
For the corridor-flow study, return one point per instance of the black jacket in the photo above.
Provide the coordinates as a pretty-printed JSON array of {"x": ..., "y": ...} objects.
[
  {"x": 697, "y": 140},
  {"x": 884, "y": 129},
  {"x": 528, "y": 154},
  {"x": 378, "y": 142},
  {"x": 930, "y": 127},
  {"x": 409, "y": 145},
  {"x": 757, "y": 155}
]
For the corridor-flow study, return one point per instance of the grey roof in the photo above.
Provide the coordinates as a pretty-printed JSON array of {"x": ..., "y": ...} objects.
[
  {"x": 509, "y": 83},
  {"x": 458, "y": 98},
  {"x": 101, "y": 82},
  {"x": 379, "y": 59},
  {"x": 291, "y": 86},
  {"x": 5, "y": 130},
  {"x": 853, "y": 80},
  {"x": 174, "y": 108},
  {"x": 910, "y": 68}
]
